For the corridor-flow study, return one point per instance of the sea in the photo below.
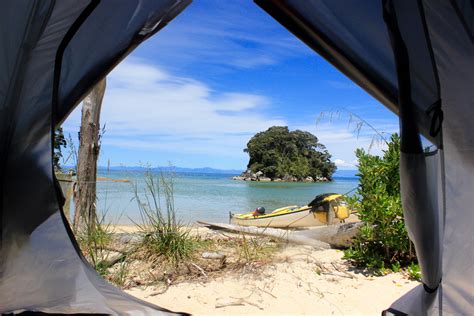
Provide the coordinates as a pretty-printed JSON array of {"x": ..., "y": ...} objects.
[{"x": 207, "y": 196}]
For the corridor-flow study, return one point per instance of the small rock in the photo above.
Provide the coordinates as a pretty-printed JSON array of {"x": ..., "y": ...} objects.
[
  {"x": 264, "y": 179},
  {"x": 213, "y": 255}
]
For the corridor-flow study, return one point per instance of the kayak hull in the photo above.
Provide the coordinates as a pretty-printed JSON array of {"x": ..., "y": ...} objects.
[
  {"x": 304, "y": 218},
  {"x": 325, "y": 209}
]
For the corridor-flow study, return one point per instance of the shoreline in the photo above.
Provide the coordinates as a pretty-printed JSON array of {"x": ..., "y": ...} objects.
[
  {"x": 291, "y": 284},
  {"x": 240, "y": 178},
  {"x": 292, "y": 279}
]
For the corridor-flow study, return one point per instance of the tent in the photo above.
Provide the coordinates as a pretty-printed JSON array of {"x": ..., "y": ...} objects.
[
  {"x": 414, "y": 56},
  {"x": 51, "y": 54},
  {"x": 417, "y": 58}
]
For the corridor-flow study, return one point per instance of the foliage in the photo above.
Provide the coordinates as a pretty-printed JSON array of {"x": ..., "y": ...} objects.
[
  {"x": 59, "y": 142},
  {"x": 278, "y": 152},
  {"x": 414, "y": 271},
  {"x": 163, "y": 234},
  {"x": 93, "y": 239},
  {"x": 383, "y": 240}
]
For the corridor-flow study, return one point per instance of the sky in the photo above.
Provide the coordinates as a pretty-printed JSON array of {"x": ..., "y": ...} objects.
[{"x": 196, "y": 92}]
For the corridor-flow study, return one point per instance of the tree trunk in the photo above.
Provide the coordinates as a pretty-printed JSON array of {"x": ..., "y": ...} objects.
[{"x": 85, "y": 191}]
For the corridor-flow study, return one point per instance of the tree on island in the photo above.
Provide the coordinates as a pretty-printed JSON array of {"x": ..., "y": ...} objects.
[{"x": 279, "y": 153}]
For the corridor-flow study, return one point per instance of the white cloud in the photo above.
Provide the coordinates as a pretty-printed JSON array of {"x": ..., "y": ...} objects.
[
  {"x": 342, "y": 139},
  {"x": 342, "y": 164},
  {"x": 148, "y": 108},
  {"x": 151, "y": 110}
]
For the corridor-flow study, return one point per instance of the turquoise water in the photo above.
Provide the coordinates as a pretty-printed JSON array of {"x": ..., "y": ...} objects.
[{"x": 209, "y": 197}]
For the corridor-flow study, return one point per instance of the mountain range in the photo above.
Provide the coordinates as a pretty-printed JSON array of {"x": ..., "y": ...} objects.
[{"x": 338, "y": 173}]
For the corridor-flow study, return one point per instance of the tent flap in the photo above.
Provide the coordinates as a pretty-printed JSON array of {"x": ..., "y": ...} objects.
[
  {"x": 415, "y": 57},
  {"x": 52, "y": 53}
]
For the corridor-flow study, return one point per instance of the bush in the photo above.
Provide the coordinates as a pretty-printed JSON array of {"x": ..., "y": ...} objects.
[
  {"x": 383, "y": 241},
  {"x": 414, "y": 272}
]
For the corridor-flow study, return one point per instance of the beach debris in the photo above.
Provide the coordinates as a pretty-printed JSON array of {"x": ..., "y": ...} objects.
[
  {"x": 229, "y": 302},
  {"x": 213, "y": 255},
  {"x": 123, "y": 239},
  {"x": 321, "y": 237},
  {"x": 110, "y": 258},
  {"x": 233, "y": 301},
  {"x": 200, "y": 269},
  {"x": 161, "y": 291}
]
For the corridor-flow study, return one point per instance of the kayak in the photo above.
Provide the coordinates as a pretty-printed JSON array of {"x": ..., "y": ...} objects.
[{"x": 324, "y": 209}]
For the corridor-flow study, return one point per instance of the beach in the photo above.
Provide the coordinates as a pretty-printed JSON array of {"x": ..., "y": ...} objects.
[
  {"x": 295, "y": 279},
  {"x": 258, "y": 275}
]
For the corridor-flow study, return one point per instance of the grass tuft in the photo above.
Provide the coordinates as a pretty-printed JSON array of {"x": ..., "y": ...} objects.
[
  {"x": 253, "y": 248},
  {"x": 94, "y": 239},
  {"x": 163, "y": 234}
]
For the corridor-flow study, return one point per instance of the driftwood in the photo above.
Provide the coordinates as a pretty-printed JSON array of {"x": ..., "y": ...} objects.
[
  {"x": 322, "y": 237},
  {"x": 234, "y": 301},
  {"x": 338, "y": 236},
  {"x": 200, "y": 269}
]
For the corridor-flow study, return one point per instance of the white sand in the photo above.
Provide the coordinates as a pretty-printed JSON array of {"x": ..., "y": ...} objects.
[{"x": 291, "y": 286}]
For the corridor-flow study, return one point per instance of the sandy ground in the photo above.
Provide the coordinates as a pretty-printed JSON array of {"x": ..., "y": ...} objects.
[
  {"x": 302, "y": 281},
  {"x": 196, "y": 229}
]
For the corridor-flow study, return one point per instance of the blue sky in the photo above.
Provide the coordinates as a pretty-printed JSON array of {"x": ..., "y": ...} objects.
[{"x": 196, "y": 92}]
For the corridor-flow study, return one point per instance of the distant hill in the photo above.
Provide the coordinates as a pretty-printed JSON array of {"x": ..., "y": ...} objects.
[
  {"x": 338, "y": 173},
  {"x": 174, "y": 169},
  {"x": 345, "y": 173}
]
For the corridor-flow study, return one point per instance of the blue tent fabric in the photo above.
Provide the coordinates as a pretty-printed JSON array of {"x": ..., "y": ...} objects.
[
  {"x": 416, "y": 58},
  {"x": 51, "y": 54}
]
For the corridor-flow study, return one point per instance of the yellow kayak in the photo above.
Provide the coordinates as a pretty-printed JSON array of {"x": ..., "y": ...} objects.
[{"x": 325, "y": 209}]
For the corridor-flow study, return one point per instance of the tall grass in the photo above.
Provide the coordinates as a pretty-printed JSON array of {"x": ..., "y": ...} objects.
[
  {"x": 163, "y": 234},
  {"x": 93, "y": 239}
]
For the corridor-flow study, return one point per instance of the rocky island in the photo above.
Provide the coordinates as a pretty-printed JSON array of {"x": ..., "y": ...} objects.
[
  {"x": 281, "y": 155},
  {"x": 248, "y": 175}
]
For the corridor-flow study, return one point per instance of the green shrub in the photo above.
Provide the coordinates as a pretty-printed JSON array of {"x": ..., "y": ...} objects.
[
  {"x": 414, "y": 271},
  {"x": 383, "y": 241}
]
